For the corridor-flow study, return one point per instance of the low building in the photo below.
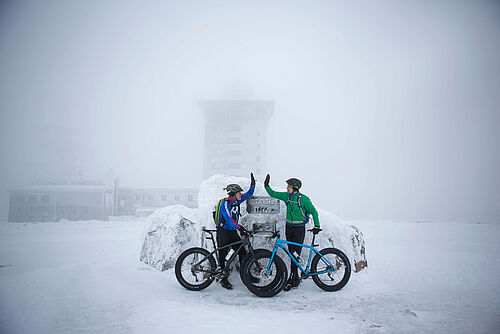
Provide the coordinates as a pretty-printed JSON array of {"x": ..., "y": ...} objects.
[
  {"x": 53, "y": 202},
  {"x": 142, "y": 201}
]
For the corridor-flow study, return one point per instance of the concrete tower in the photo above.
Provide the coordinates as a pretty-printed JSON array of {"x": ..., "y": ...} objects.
[{"x": 235, "y": 136}]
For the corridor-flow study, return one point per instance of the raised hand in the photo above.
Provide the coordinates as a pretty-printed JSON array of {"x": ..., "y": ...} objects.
[
  {"x": 266, "y": 181},
  {"x": 252, "y": 179}
]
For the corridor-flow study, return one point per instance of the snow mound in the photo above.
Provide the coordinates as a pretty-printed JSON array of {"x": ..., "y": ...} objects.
[{"x": 175, "y": 228}]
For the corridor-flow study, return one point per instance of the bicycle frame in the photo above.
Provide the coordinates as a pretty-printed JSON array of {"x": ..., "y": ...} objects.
[
  {"x": 281, "y": 244},
  {"x": 216, "y": 250}
]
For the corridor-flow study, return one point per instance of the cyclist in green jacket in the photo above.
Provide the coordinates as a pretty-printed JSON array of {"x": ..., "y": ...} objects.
[{"x": 298, "y": 208}]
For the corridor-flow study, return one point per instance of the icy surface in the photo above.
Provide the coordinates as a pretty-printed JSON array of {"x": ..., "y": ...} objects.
[
  {"x": 85, "y": 277},
  {"x": 175, "y": 228}
]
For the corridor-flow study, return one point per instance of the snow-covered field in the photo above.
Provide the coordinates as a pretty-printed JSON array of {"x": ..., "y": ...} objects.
[{"x": 86, "y": 277}]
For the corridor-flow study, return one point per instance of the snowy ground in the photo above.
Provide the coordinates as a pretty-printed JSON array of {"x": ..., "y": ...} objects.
[{"x": 85, "y": 277}]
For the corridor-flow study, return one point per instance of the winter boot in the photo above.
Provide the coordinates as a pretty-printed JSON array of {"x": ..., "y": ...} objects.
[
  {"x": 225, "y": 284},
  {"x": 296, "y": 282},
  {"x": 290, "y": 282}
]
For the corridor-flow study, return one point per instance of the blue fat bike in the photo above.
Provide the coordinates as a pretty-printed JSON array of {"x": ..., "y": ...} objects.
[{"x": 330, "y": 268}]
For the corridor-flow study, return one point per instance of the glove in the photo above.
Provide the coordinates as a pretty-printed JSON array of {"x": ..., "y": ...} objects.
[
  {"x": 266, "y": 181},
  {"x": 316, "y": 230},
  {"x": 252, "y": 179},
  {"x": 243, "y": 230}
]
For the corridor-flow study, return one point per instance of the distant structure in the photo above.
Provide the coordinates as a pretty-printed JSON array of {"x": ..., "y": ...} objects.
[
  {"x": 91, "y": 200},
  {"x": 142, "y": 202},
  {"x": 235, "y": 136}
]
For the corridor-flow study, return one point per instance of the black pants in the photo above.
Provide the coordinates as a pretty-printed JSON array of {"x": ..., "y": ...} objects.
[
  {"x": 225, "y": 237},
  {"x": 295, "y": 234}
]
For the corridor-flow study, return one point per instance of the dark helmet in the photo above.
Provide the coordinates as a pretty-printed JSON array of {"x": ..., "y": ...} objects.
[
  {"x": 294, "y": 183},
  {"x": 233, "y": 188}
]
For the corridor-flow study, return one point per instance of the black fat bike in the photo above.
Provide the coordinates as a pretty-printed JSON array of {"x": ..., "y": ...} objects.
[{"x": 196, "y": 268}]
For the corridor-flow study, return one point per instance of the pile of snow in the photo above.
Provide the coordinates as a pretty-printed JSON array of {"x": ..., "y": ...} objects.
[{"x": 173, "y": 229}]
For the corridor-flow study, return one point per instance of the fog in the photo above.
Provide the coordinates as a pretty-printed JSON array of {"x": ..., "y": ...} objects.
[{"x": 385, "y": 110}]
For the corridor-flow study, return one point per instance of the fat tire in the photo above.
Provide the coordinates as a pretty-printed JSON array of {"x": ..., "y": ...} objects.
[
  {"x": 248, "y": 257},
  {"x": 347, "y": 270},
  {"x": 276, "y": 285},
  {"x": 178, "y": 265}
]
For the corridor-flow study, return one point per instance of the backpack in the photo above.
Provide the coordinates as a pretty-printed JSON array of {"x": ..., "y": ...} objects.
[
  {"x": 218, "y": 219},
  {"x": 306, "y": 214}
]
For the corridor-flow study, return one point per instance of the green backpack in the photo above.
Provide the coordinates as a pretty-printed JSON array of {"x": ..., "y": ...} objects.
[{"x": 216, "y": 214}]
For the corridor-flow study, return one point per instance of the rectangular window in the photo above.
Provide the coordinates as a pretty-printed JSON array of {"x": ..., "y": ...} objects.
[
  {"x": 45, "y": 198},
  {"x": 233, "y": 140},
  {"x": 177, "y": 197},
  {"x": 190, "y": 197},
  {"x": 164, "y": 198},
  {"x": 233, "y": 165},
  {"x": 235, "y": 127},
  {"x": 234, "y": 153},
  {"x": 138, "y": 197},
  {"x": 151, "y": 197}
]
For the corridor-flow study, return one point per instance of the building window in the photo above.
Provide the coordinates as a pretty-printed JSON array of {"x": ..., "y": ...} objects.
[
  {"x": 32, "y": 198},
  {"x": 44, "y": 218},
  {"x": 86, "y": 212},
  {"x": 233, "y": 140},
  {"x": 20, "y": 198},
  {"x": 138, "y": 197},
  {"x": 214, "y": 165},
  {"x": 45, "y": 198},
  {"x": 164, "y": 198},
  {"x": 233, "y": 165},
  {"x": 151, "y": 197},
  {"x": 31, "y": 218},
  {"x": 177, "y": 197},
  {"x": 235, "y": 127},
  {"x": 234, "y": 153},
  {"x": 190, "y": 197}
]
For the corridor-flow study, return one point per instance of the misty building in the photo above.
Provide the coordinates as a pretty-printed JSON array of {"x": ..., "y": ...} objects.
[
  {"x": 235, "y": 136},
  {"x": 142, "y": 201},
  {"x": 54, "y": 202}
]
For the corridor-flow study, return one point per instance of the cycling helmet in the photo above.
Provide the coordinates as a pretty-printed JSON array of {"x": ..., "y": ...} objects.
[
  {"x": 233, "y": 188},
  {"x": 294, "y": 183}
]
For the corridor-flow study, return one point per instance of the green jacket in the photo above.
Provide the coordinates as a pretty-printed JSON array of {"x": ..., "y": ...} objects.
[{"x": 293, "y": 212}]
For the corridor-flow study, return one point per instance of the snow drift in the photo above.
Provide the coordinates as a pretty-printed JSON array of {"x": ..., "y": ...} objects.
[{"x": 173, "y": 229}]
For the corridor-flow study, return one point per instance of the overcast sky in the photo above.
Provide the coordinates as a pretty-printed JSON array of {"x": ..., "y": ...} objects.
[{"x": 385, "y": 110}]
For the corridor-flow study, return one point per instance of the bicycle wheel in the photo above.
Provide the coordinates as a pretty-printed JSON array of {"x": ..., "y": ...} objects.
[
  {"x": 338, "y": 276},
  {"x": 268, "y": 285},
  {"x": 245, "y": 260},
  {"x": 192, "y": 275}
]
